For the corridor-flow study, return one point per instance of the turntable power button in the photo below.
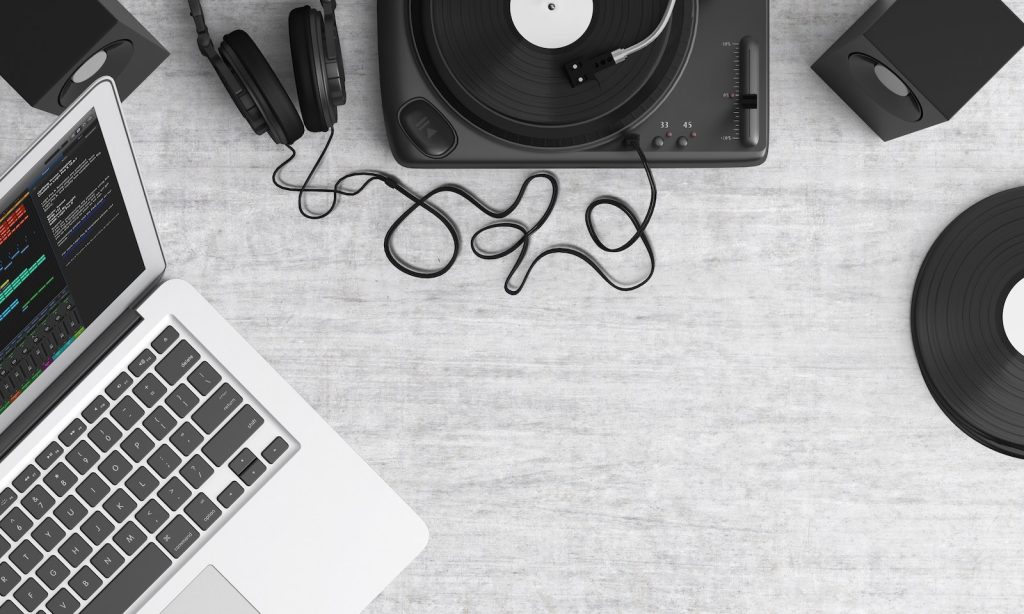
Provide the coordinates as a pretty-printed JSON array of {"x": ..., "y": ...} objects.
[{"x": 428, "y": 130}]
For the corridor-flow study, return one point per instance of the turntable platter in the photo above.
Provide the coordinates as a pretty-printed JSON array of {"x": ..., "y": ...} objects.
[{"x": 487, "y": 70}]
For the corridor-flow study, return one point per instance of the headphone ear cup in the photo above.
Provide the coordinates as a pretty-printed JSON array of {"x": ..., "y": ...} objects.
[
  {"x": 245, "y": 59},
  {"x": 308, "y": 42}
]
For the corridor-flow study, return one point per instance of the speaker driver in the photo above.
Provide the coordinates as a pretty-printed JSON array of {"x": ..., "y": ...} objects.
[{"x": 115, "y": 58}]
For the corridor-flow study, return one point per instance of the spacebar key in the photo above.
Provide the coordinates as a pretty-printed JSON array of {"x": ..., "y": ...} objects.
[{"x": 131, "y": 583}]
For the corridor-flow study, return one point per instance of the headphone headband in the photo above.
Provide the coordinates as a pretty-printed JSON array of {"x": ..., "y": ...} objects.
[
  {"x": 245, "y": 103},
  {"x": 332, "y": 53},
  {"x": 205, "y": 42}
]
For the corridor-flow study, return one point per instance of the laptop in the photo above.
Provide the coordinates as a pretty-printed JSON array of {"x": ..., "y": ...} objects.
[{"x": 151, "y": 460}]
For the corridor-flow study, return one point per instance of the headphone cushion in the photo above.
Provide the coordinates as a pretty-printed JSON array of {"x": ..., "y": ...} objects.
[
  {"x": 283, "y": 121},
  {"x": 306, "y": 34}
]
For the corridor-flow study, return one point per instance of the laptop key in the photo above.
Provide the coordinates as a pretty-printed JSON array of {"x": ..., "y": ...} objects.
[
  {"x": 164, "y": 340},
  {"x": 134, "y": 580},
  {"x": 97, "y": 527},
  {"x": 75, "y": 550},
  {"x": 234, "y": 434},
  {"x": 137, "y": 445},
  {"x": 105, "y": 435},
  {"x": 62, "y": 603},
  {"x": 15, "y": 524},
  {"x": 204, "y": 378},
  {"x": 177, "y": 536},
  {"x": 119, "y": 386},
  {"x": 202, "y": 511},
  {"x": 196, "y": 471},
  {"x": 141, "y": 363},
  {"x": 253, "y": 472},
  {"x": 73, "y": 431},
  {"x": 186, "y": 439},
  {"x": 26, "y": 478},
  {"x": 275, "y": 450},
  {"x": 49, "y": 456},
  {"x": 26, "y": 556},
  {"x": 95, "y": 409},
  {"x": 141, "y": 483},
  {"x": 120, "y": 505},
  {"x": 70, "y": 512},
  {"x": 8, "y": 580},
  {"x": 48, "y": 534},
  {"x": 229, "y": 495},
  {"x": 4, "y": 546},
  {"x": 60, "y": 479},
  {"x": 107, "y": 560},
  {"x": 85, "y": 583},
  {"x": 82, "y": 457},
  {"x": 217, "y": 408},
  {"x": 149, "y": 390},
  {"x": 127, "y": 413},
  {"x": 182, "y": 400},
  {"x": 130, "y": 538},
  {"x": 115, "y": 468},
  {"x": 30, "y": 595},
  {"x": 7, "y": 499},
  {"x": 177, "y": 362},
  {"x": 38, "y": 501},
  {"x": 174, "y": 494},
  {"x": 52, "y": 572},
  {"x": 241, "y": 461},
  {"x": 92, "y": 490},
  {"x": 164, "y": 461},
  {"x": 159, "y": 423},
  {"x": 152, "y": 516}
]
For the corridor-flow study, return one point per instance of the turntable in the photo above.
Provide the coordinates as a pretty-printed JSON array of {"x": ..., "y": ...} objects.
[{"x": 534, "y": 83}]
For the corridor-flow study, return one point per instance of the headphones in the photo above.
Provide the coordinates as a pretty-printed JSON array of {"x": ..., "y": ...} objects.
[{"x": 257, "y": 91}]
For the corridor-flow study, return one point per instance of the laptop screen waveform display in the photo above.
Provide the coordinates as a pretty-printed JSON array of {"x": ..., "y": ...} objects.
[{"x": 67, "y": 250}]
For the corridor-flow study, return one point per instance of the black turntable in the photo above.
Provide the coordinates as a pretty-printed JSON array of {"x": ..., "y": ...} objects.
[{"x": 491, "y": 83}]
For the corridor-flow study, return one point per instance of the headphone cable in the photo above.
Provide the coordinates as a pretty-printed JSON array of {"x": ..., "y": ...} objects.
[{"x": 525, "y": 232}]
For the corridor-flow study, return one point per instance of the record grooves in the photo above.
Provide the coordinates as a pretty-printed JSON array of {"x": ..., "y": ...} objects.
[
  {"x": 971, "y": 368},
  {"x": 517, "y": 91}
]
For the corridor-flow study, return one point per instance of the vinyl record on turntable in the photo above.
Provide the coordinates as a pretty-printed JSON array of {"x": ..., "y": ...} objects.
[
  {"x": 968, "y": 322},
  {"x": 495, "y": 63}
]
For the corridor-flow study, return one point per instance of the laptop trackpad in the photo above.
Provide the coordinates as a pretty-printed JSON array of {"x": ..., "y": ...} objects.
[{"x": 210, "y": 593}]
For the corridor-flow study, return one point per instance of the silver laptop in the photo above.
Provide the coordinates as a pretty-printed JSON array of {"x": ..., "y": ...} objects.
[{"x": 152, "y": 461}]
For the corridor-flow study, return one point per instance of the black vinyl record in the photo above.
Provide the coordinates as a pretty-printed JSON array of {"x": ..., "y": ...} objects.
[
  {"x": 969, "y": 364},
  {"x": 519, "y": 92}
]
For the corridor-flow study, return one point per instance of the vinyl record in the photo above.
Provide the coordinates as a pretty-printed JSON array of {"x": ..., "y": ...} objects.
[
  {"x": 518, "y": 91},
  {"x": 971, "y": 368}
]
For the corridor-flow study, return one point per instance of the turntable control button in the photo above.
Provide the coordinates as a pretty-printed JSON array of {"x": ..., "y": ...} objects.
[
  {"x": 683, "y": 142},
  {"x": 427, "y": 128},
  {"x": 658, "y": 142}
]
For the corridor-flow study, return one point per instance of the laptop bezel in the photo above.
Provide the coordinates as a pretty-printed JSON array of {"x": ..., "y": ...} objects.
[{"x": 101, "y": 97}]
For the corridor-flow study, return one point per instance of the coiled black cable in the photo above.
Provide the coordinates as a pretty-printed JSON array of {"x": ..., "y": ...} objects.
[{"x": 525, "y": 232}]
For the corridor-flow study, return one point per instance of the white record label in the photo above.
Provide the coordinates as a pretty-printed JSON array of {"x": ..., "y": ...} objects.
[
  {"x": 1013, "y": 317},
  {"x": 552, "y": 24}
]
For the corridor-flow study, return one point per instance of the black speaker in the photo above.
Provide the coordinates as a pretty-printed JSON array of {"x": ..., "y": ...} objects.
[
  {"x": 50, "y": 52},
  {"x": 910, "y": 64}
]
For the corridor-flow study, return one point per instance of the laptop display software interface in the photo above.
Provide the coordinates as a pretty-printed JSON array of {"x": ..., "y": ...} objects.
[{"x": 67, "y": 251}]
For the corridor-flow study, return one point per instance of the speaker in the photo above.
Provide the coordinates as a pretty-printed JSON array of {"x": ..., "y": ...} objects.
[
  {"x": 50, "y": 52},
  {"x": 907, "y": 65}
]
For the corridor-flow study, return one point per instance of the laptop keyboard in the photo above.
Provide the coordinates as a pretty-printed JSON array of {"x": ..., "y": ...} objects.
[{"x": 133, "y": 483}]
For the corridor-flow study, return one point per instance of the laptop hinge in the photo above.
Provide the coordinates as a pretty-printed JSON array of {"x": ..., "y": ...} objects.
[{"x": 70, "y": 378}]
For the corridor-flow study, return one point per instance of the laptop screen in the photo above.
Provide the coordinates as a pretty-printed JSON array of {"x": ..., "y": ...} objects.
[{"x": 67, "y": 251}]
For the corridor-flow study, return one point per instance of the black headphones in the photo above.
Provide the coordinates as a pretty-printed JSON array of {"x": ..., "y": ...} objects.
[{"x": 256, "y": 89}]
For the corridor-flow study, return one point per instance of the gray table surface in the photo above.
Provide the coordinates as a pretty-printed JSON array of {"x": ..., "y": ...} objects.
[{"x": 750, "y": 433}]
